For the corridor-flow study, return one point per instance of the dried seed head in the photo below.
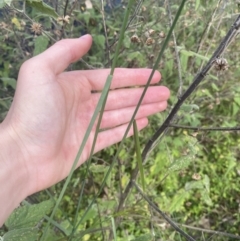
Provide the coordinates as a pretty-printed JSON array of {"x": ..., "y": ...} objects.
[
  {"x": 151, "y": 56},
  {"x": 162, "y": 34},
  {"x": 196, "y": 176},
  {"x": 63, "y": 20},
  {"x": 171, "y": 44},
  {"x": 151, "y": 32},
  {"x": 149, "y": 41},
  {"x": 135, "y": 39},
  {"x": 144, "y": 9},
  {"x": 221, "y": 64},
  {"x": 36, "y": 28}
]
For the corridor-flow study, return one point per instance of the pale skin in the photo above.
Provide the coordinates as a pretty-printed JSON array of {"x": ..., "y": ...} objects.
[{"x": 50, "y": 114}]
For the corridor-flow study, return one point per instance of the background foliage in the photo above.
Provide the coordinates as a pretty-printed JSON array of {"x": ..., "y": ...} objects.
[{"x": 192, "y": 175}]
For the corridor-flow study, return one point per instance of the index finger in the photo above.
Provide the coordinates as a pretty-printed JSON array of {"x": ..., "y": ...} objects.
[{"x": 66, "y": 51}]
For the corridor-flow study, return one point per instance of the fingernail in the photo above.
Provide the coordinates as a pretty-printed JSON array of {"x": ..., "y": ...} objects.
[{"x": 84, "y": 36}]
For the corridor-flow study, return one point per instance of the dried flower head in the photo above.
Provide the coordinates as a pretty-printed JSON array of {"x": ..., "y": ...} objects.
[
  {"x": 151, "y": 56},
  {"x": 36, "y": 28},
  {"x": 150, "y": 41},
  {"x": 151, "y": 31},
  {"x": 221, "y": 64},
  {"x": 162, "y": 34},
  {"x": 63, "y": 20},
  {"x": 135, "y": 39},
  {"x": 196, "y": 176},
  {"x": 144, "y": 9}
]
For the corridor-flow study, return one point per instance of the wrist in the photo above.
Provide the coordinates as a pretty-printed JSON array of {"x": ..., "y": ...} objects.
[{"x": 14, "y": 183}]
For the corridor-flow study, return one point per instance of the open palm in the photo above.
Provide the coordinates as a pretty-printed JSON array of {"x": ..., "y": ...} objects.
[{"x": 52, "y": 109}]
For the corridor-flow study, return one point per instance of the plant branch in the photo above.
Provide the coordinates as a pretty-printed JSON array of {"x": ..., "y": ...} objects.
[
  {"x": 196, "y": 128},
  {"x": 210, "y": 231},
  {"x": 173, "y": 224}
]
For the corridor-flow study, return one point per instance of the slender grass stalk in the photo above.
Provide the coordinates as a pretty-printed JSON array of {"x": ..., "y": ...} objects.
[
  {"x": 138, "y": 154},
  {"x": 114, "y": 229},
  {"x": 90, "y": 158}
]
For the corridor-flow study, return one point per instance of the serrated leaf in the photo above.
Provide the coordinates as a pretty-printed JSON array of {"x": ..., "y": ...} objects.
[
  {"x": 194, "y": 185},
  {"x": 178, "y": 200},
  {"x": 22, "y": 234},
  {"x": 42, "y": 7},
  {"x": 180, "y": 164},
  {"x": 40, "y": 44},
  {"x": 28, "y": 216}
]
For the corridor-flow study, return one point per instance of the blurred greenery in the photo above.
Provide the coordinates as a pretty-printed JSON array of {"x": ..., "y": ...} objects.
[{"x": 192, "y": 176}]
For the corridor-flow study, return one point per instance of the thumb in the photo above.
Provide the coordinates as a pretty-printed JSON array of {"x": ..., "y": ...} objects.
[{"x": 58, "y": 57}]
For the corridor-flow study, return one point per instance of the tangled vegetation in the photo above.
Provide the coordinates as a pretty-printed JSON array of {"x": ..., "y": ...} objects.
[{"x": 193, "y": 174}]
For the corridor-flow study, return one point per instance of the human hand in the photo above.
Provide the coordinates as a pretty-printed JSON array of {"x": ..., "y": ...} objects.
[{"x": 51, "y": 110}]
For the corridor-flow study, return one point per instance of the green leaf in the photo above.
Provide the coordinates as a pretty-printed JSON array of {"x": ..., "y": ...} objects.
[
  {"x": 9, "y": 82},
  {"x": 145, "y": 237},
  {"x": 188, "y": 108},
  {"x": 194, "y": 185},
  {"x": 197, "y": 4},
  {"x": 178, "y": 200},
  {"x": 28, "y": 216},
  {"x": 22, "y": 234},
  {"x": 206, "y": 198},
  {"x": 40, "y": 44},
  {"x": 114, "y": 229},
  {"x": 4, "y": 104},
  {"x": 42, "y": 7},
  {"x": 100, "y": 41},
  {"x": 214, "y": 86},
  {"x": 127, "y": 42},
  {"x": 135, "y": 55},
  {"x": 180, "y": 164},
  {"x": 191, "y": 53},
  {"x": 184, "y": 62},
  {"x": 231, "y": 164},
  {"x": 95, "y": 168},
  {"x": 206, "y": 183}
]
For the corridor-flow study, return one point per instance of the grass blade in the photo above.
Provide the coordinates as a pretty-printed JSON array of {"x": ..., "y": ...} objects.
[{"x": 138, "y": 154}]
